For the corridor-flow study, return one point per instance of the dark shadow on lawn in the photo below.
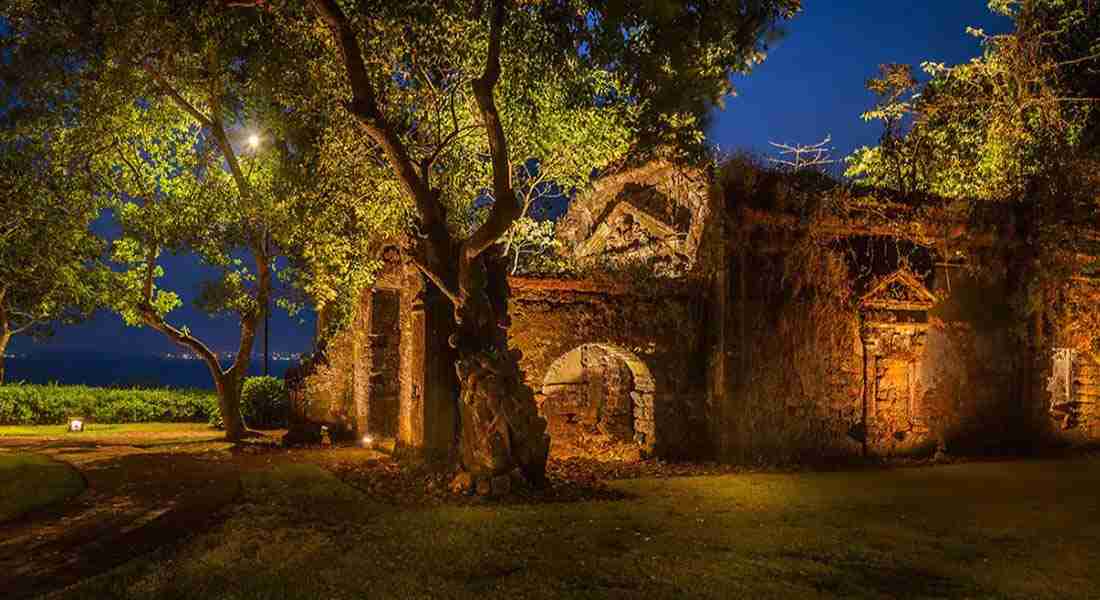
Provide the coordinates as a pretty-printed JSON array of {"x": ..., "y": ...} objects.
[
  {"x": 865, "y": 576},
  {"x": 133, "y": 504}
]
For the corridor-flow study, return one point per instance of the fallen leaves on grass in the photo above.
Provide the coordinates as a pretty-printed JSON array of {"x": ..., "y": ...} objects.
[{"x": 568, "y": 480}]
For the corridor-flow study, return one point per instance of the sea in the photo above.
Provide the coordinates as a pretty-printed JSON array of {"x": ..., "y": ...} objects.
[{"x": 121, "y": 371}]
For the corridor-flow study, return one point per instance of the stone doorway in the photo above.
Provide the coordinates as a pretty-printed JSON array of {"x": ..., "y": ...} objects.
[
  {"x": 382, "y": 368},
  {"x": 598, "y": 402}
]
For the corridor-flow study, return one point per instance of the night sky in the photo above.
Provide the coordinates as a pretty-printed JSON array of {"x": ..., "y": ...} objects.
[{"x": 811, "y": 85}]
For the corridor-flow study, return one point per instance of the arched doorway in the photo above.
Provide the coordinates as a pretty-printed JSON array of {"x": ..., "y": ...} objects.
[{"x": 597, "y": 400}]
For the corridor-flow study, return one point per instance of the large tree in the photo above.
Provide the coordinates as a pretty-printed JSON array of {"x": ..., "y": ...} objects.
[
  {"x": 171, "y": 103},
  {"x": 49, "y": 259},
  {"x": 439, "y": 106},
  {"x": 993, "y": 128}
]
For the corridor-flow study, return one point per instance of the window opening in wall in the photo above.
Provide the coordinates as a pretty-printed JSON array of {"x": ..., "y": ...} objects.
[{"x": 1060, "y": 384}]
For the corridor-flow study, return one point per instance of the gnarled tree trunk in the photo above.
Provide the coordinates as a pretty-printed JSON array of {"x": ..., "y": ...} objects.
[
  {"x": 500, "y": 429},
  {"x": 228, "y": 382},
  {"x": 229, "y": 386}
]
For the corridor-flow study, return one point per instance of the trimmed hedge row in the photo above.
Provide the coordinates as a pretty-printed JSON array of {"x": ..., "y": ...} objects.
[
  {"x": 23, "y": 404},
  {"x": 264, "y": 404}
]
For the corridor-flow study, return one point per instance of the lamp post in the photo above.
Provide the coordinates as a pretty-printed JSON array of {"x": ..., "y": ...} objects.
[{"x": 254, "y": 143}]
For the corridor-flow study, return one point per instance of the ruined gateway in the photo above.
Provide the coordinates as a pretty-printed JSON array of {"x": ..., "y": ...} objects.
[{"x": 730, "y": 320}]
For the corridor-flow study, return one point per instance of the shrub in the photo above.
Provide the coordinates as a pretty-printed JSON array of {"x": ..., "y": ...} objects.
[
  {"x": 264, "y": 404},
  {"x": 23, "y": 404}
]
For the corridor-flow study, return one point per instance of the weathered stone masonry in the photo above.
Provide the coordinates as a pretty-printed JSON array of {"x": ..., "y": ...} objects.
[{"x": 724, "y": 328}]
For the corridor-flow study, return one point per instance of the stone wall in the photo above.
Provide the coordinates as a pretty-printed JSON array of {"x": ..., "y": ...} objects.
[
  {"x": 794, "y": 363},
  {"x": 326, "y": 393},
  {"x": 812, "y": 373},
  {"x": 656, "y": 334},
  {"x": 384, "y": 377},
  {"x": 1073, "y": 367}
]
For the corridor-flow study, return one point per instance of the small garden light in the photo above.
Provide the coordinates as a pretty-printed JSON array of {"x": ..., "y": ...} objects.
[
  {"x": 367, "y": 441},
  {"x": 76, "y": 424}
]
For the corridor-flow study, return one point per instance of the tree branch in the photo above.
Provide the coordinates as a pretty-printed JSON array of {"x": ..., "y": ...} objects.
[
  {"x": 439, "y": 283},
  {"x": 506, "y": 207},
  {"x": 364, "y": 107},
  {"x": 176, "y": 97},
  {"x": 249, "y": 322}
]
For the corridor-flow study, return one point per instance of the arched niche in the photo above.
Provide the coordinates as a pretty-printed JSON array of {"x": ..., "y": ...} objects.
[{"x": 598, "y": 396}]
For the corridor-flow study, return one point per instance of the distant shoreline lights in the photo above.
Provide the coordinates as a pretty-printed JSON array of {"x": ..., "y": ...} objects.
[{"x": 276, "y": 356}]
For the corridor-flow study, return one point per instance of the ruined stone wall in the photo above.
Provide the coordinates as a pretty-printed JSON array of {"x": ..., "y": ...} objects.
[
  {"x": 969, "y": 371},
  {"x": 794, "y": 361},
  {"x": 335, "y": 377},
  {"x": 1072, "y": 369},
  {"x": 383, "y": 375},
  {"x": 812, "y": 374},
  {"x": 656, "y": 334}
]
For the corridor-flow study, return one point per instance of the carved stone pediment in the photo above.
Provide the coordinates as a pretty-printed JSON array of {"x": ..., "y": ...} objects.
[
  {"x": 900, "y": 290},
  {"x": 628, "y": 228}
]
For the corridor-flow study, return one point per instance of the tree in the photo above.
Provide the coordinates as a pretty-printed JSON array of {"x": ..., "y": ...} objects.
[
  {"x": 171, "y": 102},
  {"x": 993, "y": 128},
  {"x": 441, "y": 104},
  {"x": 49, "y": 258}
]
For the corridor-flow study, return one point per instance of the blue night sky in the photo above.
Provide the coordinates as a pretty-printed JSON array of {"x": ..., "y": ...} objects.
[{"x": 811, "y": 85}]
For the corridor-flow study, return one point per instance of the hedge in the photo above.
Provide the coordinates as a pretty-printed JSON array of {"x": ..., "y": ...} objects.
[{"x": 23, "y": 404}]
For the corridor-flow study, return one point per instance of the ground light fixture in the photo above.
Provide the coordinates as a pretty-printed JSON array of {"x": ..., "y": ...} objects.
[
  {"x": 76, "y": 424},
  {"x": 367, "y": 441},
  {"x": 253, "y": 141}
]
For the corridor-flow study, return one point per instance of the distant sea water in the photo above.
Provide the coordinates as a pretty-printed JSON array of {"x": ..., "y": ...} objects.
[{"x": 121, "y": 371}]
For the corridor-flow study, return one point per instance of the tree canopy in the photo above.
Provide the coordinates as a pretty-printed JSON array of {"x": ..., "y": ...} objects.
[
  {"x": 991, "y": 128},
  {"x": 49, "y": 258}
]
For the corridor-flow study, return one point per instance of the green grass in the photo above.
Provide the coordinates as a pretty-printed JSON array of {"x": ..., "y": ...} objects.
[
  {"x": 29, "y": 481},
  {"x": 103, "y": 430},
  {"x": 982, "y": 530},
  {"x": 141, "y": 435}
]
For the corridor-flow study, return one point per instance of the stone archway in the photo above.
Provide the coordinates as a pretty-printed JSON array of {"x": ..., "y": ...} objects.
[{"x": 598, "y": 401}]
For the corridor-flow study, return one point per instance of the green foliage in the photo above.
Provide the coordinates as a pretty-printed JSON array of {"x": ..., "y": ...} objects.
[
  {"x": 264, "y": 404},
  {"x": 532, "y": 247},
  {"x": 50, "y": 272},
  {"x": 24, "y": 404},
  {"x": 582, "y": 85},
  {"x": 995, "y": 128}
]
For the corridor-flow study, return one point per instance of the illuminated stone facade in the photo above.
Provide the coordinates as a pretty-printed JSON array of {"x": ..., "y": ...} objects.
[{"x": 722, "y": 326}]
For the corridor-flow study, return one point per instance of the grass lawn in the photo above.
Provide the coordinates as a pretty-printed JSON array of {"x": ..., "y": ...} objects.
[
  {"x": 29, "y": 481},
  {"x": 980, "y": 530},
  {"x": 136, "y": 433},
  {"x": 96, "y": 430}
]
